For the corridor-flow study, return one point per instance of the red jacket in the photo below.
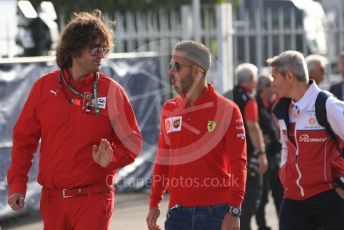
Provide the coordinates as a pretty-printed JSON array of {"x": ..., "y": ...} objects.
[
  {"x": 201, "y": 157},
  {"x": 68, "y": 133},
  {"x": 309, "y": 159}
]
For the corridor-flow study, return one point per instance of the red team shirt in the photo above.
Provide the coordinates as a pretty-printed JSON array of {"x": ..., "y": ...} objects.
[
  {"x": 251, "y": 110},
  {"x": 201, "y": 159},
  {"x": 68, "y": 133}
]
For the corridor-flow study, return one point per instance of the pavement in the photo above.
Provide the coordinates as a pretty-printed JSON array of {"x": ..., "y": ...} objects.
[{"x": 130, "y": 214}]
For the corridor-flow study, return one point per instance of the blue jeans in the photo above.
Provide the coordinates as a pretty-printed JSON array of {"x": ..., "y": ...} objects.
[{"x": 195, "y": 218}]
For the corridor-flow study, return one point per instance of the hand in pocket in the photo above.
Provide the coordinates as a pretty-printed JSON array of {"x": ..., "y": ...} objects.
[{"x": 340, "y": 192}]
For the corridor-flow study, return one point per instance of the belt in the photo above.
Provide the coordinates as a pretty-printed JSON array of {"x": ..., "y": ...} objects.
[
  {"x": 75, "y": 192},
  {"x": 178, "y": 206}
]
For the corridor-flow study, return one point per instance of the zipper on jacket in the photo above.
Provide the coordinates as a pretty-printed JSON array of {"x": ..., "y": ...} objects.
[
  {"x": 189, "y": 112},
  {"x": 325, "y": 155},
  {"x": 189, "y": 118},
  {"x": 297, "y": 165}
]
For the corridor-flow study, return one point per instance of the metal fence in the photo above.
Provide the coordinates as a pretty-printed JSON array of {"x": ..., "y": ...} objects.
[
  {"x": 260, "y": 35},
  {"x": 265, "y": 32},
  {"x": 159, "y": 31},
  {"x": 250, "y": 35},
  {"x": 257, "y": 34}
]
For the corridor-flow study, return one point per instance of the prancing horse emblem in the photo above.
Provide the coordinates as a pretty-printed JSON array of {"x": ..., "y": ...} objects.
[{"x": 211, "y": 126}]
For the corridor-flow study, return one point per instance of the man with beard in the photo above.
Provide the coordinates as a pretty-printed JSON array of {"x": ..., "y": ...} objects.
[
  {"x": 201, "y": 158},
  {"x": 87, "y": 130}
]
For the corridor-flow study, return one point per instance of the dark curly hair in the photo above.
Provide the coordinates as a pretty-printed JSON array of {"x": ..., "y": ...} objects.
[{"x": 83, "y": 30}]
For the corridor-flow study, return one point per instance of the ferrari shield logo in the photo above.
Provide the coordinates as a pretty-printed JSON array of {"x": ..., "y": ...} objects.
[{"x": 211, "y": 126}]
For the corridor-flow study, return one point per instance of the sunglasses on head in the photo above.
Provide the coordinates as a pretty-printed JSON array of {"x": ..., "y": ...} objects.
[
  {"x": 177, "y": 66},
  {"x": 100, "y": 50}
]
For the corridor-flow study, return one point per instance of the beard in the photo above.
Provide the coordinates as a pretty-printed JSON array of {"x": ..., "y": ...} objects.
[{"x": 183, "y": 87}]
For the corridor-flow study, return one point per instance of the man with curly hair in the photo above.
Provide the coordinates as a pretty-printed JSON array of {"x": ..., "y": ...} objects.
[{"x": 87, "y": 130}]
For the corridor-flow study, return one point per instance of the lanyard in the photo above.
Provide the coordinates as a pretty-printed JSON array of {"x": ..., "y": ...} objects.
[{"x": 95, "y": 91}]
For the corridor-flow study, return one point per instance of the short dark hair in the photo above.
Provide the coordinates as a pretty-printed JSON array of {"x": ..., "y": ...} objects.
[{"x": 81, "y": 31}]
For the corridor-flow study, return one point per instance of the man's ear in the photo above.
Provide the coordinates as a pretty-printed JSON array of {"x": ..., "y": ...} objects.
[
  {"x": 196, "y": 72},
  {"x": 289, "y": 76}
]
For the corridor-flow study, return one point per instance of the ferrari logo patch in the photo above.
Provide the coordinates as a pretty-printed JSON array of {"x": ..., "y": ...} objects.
[{"x": 211, "y": 126}]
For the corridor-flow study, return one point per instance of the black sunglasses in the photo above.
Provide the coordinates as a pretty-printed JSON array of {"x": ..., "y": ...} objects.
[{"x": 177, "y": 66}]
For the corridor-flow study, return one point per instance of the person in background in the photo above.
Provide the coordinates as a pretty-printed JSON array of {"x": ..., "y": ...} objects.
[
  {"x": 338, "y": 89},
  {"x": 316, "y": 65},
  {"x": 87, "y": 130},
  {"x": 266, "y": 98},
  {"x": 246, "y": 75},
  {"x": 201, "y": 158},
  {"x": 312, "y": 168}
]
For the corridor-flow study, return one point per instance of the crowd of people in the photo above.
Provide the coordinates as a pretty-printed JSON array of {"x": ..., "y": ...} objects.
[{"x": 264, "y": 135}]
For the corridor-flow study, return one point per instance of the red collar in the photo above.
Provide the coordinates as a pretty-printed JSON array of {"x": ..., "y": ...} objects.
[
  {"x": 82, "y": 82},
  {"x": 209, "y": 94}
]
